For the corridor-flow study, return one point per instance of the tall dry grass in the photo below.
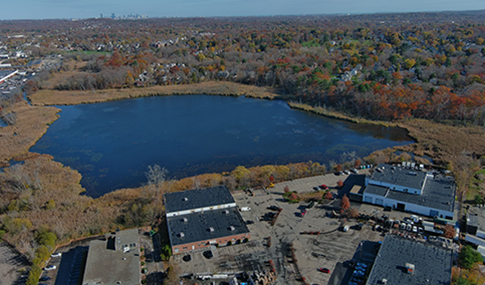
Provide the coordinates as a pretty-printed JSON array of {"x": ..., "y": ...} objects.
[
  {"x": 32, "y": 123},
  {"x": 223, "y": 88}
]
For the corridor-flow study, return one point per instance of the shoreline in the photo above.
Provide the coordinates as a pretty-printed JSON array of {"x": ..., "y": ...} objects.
[
  {"x": 416, "y": 129},
  {"x": 220, "y": 88}
]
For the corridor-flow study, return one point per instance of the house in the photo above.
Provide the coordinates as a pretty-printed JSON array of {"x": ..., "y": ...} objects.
[
  {"x": 408, "y": 188},
  {"x": 199, "y": 219},
  {"x": 115, "y": 259},
  {"x": 404, "y": 261}
]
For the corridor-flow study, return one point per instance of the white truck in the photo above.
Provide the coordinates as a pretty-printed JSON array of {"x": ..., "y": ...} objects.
[{"x": 244, "y": 209}]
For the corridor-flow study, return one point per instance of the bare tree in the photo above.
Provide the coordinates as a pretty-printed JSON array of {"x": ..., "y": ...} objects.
[{"x": 156, "y": 175}]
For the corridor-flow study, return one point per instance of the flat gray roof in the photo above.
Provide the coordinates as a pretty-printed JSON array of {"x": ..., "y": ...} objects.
[
  {"x": 199, "y": 198},
  {"x": 476, "y": 217},
  {"x": 105, "y": 265},
  {"x": 196, "y": 228},
  {"x": 432, "y": 263},
  {"x": 398, "y": 175},
  {"x": 438, "y": 193}
]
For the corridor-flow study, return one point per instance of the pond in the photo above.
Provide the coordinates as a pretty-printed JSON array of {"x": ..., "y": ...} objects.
[{"x": 112, "y": 144}]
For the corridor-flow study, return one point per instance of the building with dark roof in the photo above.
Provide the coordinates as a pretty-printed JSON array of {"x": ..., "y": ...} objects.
[
  {"x": 410, "y": 189},
  {"x": 201, "y": 218},
  {"x": 113, "y": 259},
  {"x": 199, "y": 200},
  {"x": 475, "y": 226},
  {"x": 404, "y": 261}
]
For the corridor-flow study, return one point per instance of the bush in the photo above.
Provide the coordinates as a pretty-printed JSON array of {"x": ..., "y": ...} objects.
[{"x": 142, "y": 263}]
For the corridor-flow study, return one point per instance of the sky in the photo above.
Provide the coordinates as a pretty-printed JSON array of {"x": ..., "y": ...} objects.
[{"x": 67, "y": 9}]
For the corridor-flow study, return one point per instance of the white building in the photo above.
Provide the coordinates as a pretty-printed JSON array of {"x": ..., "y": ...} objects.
[{"x": 409, "y": 189}]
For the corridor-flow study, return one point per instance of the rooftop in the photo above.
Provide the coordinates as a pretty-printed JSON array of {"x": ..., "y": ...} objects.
[
  {"x": 399, "y": 175},
  {"x": 206, "y": 226},
  {"x": 438, "y": 193},
  {"x": 432, "y": 264},
  {"x": 476, "y": 218},
  {"x": 199, "y": 198},
  {"x": 122, "y": 266}
]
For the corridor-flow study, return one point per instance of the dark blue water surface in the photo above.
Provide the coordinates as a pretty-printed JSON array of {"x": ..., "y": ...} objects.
[{"x": 111, "y": 144}]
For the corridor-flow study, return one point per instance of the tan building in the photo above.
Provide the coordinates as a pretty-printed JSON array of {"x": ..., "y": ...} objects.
[{"x": 115, "y": 259}]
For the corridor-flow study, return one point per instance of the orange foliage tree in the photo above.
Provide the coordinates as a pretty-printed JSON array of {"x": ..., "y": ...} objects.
[{"x": 345, "y": 203}]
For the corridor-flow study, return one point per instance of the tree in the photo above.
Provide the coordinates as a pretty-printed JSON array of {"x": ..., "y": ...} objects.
[
  {"x": 468, "y": 257},
  {"x": 286, "y": 189},
  {"x": 156, "y": 175},
  {"x": 340, "y": 184},
  {"x": 478, "y": 199},
  {"x": 449, "y": 231},
  {"x": 345, "y": 203}
]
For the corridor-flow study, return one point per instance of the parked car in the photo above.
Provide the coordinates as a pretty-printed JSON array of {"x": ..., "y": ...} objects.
[
  {"x": 403, "y": 226},
  {"x": 303, "y": 213},
  {"x": 249, "y": 222},
  {"x": 57, "y": 254},
  {"x": 361, "y": 264},
  {"x": 323, "y": 187},
  {"x": 324, "y": 270},
  {"x": 415, "y": 229},
  {"x": 353, "y": 170},
  {"x": 50, "y": 267},
  {"x": 44, "y": 278},
  {"x": 409, "y": 227},
  {"x": 346, "y": 172},
  {"x": 358, "y": 273}
]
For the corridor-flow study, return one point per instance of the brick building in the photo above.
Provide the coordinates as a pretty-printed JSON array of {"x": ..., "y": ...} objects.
[{"x": 201, "y": 218}]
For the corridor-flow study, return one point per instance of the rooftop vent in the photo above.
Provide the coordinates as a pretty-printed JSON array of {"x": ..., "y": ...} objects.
[
  {"x": 410, "y": 268},
  {"x": 185, "y": 199},
  {"x": 185, "y": 220},
  {"x": 181, "y": 235},
  {"x": 211, "y": 229},
  {"x": 225, "y": 212},
  {"x": 383, "y": 281},
  {"x": 232, "y": 228}
]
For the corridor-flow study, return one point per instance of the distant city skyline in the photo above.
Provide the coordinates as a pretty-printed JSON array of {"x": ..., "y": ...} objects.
[{"x": 67, "y": 9}]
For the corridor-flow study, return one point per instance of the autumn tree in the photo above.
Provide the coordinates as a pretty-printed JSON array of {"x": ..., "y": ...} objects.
[
  {"x": 345, "y": 203},
  {"x": 449, "y": 231}
]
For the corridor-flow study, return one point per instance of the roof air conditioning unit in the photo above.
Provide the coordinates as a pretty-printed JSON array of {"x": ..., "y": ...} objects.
[
  {"x": 181, "y": 235},
  {"x": 410, "y": 268},
  {"x": 211, "y": 229},
  {"x": 185, "y": 220},
  {"x": 186, "y": 199},
  {"x": 232, "y": 228}
]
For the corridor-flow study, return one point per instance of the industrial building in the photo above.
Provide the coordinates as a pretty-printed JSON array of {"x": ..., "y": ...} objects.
[
  {"x": 199, "y": 219},
  {"x": 408, "y": 188},
  {"x": 115, "y": 259},
  {"x": 404, "y": 261}
]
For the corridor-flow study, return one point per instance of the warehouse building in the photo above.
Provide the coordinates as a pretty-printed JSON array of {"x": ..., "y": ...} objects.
[
  {"x": 404, "y": 261},
  {"x": 406, "y": 188},
  {"x": 115, "y": 259},
  {"x": 199, "y": 219}
]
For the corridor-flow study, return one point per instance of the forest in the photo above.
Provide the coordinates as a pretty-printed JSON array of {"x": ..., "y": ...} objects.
[
  {"x": 384, "y": 67},
  {"x": 412, "y": 70}
]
